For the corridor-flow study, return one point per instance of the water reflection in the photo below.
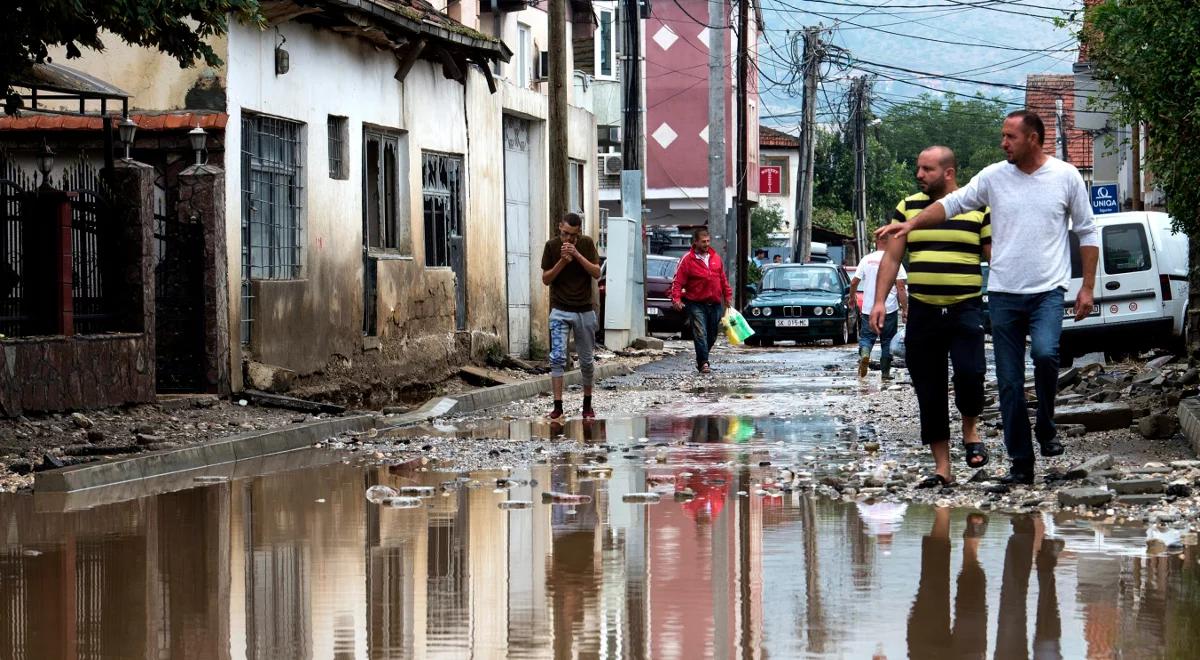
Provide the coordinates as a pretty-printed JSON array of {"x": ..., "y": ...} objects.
[{"x": 298, "y": 564}]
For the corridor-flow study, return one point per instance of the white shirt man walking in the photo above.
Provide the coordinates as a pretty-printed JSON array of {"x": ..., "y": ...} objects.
[
  {"x": 897, "y": 306},
  {"x": 1035, "y": 200}
]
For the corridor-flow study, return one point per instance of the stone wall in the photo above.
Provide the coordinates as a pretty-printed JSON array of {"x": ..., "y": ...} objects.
[{"x": 72, "y": 373}]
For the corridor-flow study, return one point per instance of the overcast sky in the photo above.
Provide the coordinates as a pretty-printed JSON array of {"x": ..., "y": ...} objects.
[{"x": 1012, "y": 39}]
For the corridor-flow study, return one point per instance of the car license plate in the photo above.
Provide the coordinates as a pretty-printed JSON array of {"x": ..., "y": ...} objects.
[
  {"x": 1069, "y": 312},
  {"x": 653, "y": 311},
  {"x": 791, "y": 323}
]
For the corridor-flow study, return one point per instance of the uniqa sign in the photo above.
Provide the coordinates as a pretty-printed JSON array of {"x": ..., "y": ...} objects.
[{"x": 1105, "y": 198}]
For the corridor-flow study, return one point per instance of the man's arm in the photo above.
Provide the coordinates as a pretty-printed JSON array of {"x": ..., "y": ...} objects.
[
  {"x": 592, "y": 269},
  {"x": 973, "y": 195},
  {"x": 902, "y": 297},
  {"x": 889, "y": 268},
  {"x": 1089, "y": 246},
  {"x": 677, "y": 284},
  {"x": 853, "y": 289},
  {"x": 552, "y": 264},
  {"x": 725, "y": 285}
]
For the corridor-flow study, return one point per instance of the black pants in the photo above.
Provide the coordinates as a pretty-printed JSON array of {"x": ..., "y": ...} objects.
[{"x": 935, "y": 332}]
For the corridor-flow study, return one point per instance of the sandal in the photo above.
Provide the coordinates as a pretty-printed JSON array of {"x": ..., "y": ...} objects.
[
  {"x": 976, "y": 450},
  {"x": 935, "y": 481}
]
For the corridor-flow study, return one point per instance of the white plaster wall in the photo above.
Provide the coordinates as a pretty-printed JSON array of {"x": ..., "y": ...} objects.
[
  {"x": 786, "y": 202},
  {"x": 154, "y": 80},
  {"x": 330, "y": 74}
]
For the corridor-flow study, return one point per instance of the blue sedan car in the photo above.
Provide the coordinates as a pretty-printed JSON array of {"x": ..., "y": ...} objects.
[{"x": 802, "y": 302}]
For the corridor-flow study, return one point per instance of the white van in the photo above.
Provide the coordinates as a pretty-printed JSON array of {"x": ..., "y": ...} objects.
[{"x": 1141, "y": 285}]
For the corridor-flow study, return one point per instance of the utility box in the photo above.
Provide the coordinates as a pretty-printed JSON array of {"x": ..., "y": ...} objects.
[{"x": 619, "y": 271}]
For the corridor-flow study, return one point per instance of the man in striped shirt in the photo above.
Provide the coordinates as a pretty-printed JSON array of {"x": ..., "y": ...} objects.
[{"x": 945, "y": 311}]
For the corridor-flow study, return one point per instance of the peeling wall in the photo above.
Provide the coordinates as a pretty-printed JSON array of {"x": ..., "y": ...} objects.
[{"x": 154, "y": 80}]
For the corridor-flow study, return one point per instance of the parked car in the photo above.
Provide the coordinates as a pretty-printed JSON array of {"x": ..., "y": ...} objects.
[
  {"x": 1141, "y": 286},
  {"x": 858, "y": 293},
  {"x": 802, "y": 302},
  {"x": 661, "y": 316}
]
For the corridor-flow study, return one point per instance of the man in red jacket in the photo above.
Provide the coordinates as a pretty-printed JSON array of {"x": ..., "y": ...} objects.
[{"x": 700, "y": 285}]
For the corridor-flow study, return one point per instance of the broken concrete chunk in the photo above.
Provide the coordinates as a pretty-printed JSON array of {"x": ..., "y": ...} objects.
[
  {"x": 648, "y": 343},
  {"x": 1139, "y": 500},
  {"x": 1136, "y": 486},
  {"x": 1090, "y": 466},
  {"x": 1158, "y": 426},
  {"x": 1084, "y": 496},
  {"x": 1068, "y": 377},
  {"x": 268, "y": 377},
  {"x": 82, "y": 421},
  {"x": 1096, "y": 416}
]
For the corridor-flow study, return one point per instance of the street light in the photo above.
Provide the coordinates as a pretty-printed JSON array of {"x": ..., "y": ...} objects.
[
  {"x": 45, "y": 162},
  {"x": 127, "y": 130},
  {"x": 197, "y": 138}
]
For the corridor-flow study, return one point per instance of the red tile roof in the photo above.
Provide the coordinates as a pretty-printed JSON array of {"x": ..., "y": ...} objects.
[
  {"x": 769, "y": 137},
  {"x": 1041, "y": 92},
  {"x": 160, "y": 121}
]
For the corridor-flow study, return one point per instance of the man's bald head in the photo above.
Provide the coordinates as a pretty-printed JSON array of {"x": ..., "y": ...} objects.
[
  {"x": 944, "y": 155},
  {"x": 936, "y": 169}
]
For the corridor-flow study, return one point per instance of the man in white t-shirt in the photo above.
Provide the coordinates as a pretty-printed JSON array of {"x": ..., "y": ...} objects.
[
  {"x": 1035, "y": 200},
  {"x": 897, "y": 306}
]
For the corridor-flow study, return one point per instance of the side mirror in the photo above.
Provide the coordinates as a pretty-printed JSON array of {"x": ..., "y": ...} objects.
[{"x": 751, "y": 290}]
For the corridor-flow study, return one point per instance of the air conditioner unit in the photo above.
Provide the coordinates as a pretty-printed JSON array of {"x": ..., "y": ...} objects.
[
  {"x": 610, "y": 164},
  {"x": 541, "y": 66}
]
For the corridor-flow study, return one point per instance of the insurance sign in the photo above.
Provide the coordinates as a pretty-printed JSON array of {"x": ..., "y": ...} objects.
[{"x": 1105, "y": 199}]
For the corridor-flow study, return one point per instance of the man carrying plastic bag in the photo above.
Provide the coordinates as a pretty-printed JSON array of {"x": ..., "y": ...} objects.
[{"x": 701, "y": 287}]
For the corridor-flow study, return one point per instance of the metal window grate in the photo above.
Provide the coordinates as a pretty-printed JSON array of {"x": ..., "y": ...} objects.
[
  {"x": 272, "y": 202},
  {"x": 441, "y": 176},
  {"x": 339, "y": 145}
]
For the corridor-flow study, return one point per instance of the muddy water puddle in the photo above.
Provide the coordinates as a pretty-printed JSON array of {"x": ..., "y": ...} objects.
[{"x": 573, "y": 558}]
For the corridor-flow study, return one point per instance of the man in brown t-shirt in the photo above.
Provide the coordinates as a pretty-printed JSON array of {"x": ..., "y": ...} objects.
[{"x": 569, "y": 264}]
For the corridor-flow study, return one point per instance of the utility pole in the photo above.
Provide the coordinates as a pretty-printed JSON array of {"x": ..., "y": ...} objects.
[
  {"x": 743, "y": 166},
  {"x": 632, "y": 177},
  {"x": 858, "y": 123},
  {"x": 802, "y": 238},
  {"x": 1135, "y": 165},
  {"x": 717, "y": 81},
  {"x": 559, "y": 185}
]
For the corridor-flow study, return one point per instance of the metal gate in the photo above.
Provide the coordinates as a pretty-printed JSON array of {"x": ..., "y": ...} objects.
[
  {"x": 516, "y": 232},
  {"x": 13, "y": 183},
  {"x": 94, "y": 263},
  {"x": 178, "y": 299}
]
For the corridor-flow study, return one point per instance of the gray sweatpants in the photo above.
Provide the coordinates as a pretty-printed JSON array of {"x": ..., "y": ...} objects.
[{"x": 584, "y": 325}]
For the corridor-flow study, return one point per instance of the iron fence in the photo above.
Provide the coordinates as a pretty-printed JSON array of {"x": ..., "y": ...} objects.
[{"x": 13, "y": 184}]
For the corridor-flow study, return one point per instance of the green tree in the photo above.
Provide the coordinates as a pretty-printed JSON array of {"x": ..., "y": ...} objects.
[
  {"x": 1148, "y": 54},
  {"x": 178, "y": 28},
  {"x": 971, "y": 127},
  {"x": 764, "y": 220}
]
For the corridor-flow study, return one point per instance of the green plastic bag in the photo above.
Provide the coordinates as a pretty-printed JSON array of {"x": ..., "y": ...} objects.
[{"x": 736, "y": 326}]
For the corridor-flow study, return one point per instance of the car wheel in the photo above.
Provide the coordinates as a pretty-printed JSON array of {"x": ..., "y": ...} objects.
[
  {"x": 766, "y": 342},
  {"x": 843, "y": 338}
]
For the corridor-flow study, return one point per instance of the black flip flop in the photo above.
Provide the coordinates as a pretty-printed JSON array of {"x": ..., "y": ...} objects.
[
  {"x": 976, "y": 450},
  {"x": 936, "y": 481}
]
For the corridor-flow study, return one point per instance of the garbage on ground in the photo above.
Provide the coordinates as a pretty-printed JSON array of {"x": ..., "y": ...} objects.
[{"x": 377, "y": 494}]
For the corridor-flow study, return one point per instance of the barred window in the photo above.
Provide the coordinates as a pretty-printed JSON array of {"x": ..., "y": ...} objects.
[
  {"x": 575, "y": 185},
  {"x": 339, "y": 147},
  {"x": 441, "y": 176},
  {"x": 272, "y": 203}
]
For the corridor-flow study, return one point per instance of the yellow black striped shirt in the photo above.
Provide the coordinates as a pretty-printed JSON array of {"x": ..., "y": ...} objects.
[{"x": 943, "y": 262}]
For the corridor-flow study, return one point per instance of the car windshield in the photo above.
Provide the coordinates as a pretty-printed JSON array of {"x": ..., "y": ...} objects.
[
  {"x": 664, "y": 268},
  {"x": 801, "y": 279}
]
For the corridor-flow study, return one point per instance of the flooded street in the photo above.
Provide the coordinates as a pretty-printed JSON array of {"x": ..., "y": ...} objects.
[{"x": 295, "y": 562}]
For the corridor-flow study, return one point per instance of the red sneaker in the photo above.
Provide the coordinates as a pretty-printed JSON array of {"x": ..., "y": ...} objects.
[
  {"x": 554, "y": 414},
  {"x": 588, "y": 413}
]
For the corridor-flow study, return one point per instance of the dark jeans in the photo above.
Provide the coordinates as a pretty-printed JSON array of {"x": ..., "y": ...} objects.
[
  {"x": 867, "y": 336},
  {"x": 706, "y": 323},
  {"x": 930, "y": 634},
  {"x": 1038, "y": 315},
  {"x": 935, "y": 332}
]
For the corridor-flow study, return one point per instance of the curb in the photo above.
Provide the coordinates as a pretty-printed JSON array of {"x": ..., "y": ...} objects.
[
  {"x": 235, "y": 450},
  {"x": 1189, "y": 421}
]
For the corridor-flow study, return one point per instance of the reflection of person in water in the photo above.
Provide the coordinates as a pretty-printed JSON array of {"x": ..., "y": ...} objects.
[
  {"x": 1011, "y": 637},
  {"x": 930, "y": 634}
]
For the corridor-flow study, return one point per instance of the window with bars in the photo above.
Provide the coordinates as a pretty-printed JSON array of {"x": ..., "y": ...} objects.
[
  {"x": 441, "y": 189},
  {"x": 575, "y": 184},
  {"x": 385, "y": 190},
  {"x": 338, "y": 130},
  {"x": 272, "y": 204}
]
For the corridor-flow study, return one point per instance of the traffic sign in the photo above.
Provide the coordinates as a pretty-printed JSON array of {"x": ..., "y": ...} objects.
[{"x": 1105, "y": 198}]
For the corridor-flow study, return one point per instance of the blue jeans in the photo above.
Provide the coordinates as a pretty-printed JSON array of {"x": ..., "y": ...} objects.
[
  {"x": 867, "y": 336},
  {"x": 705, "y": 319},
  {"x": 1014, "y": 315}
]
